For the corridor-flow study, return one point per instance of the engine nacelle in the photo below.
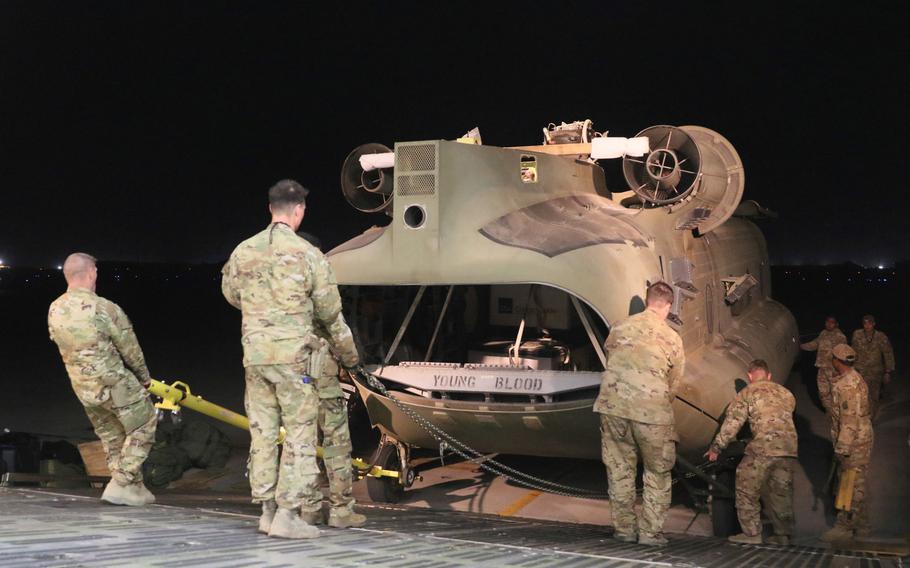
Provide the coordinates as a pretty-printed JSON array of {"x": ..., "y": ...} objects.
[
  {"x": 692, "y": 170},
  {"x": 367, "y": 190}
]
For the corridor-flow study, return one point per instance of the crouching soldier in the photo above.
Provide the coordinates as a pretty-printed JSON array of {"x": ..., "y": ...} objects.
[{"x": 766, "y": 471}]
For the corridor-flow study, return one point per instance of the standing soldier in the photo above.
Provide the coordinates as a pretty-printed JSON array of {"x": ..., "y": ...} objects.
[
  {"x": 336, "y": 441},
  {"x": 822, "y": 345},
  {"x": 874, "y": 359},
  {"x": 851, "y": 430},
  {"x": 281, "y": 284},
  {"x": 645, "y": 361},
  {"x": 107, "y": 371},
  {"x": 766, "y": 471},
  {"x": 336, "y": 435}
]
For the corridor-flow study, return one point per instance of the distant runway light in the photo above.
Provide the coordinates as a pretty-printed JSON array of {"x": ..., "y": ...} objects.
[
  {"x": 59, "y": 267},
  {"x": 880, "y": 267}
]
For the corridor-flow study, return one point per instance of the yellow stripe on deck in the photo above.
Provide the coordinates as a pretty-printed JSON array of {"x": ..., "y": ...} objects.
[{"x": 519, "y": 504}]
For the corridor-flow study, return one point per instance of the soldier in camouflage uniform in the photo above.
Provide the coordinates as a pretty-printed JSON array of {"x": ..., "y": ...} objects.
[
  {"x": 107, "y": 371},
  {"x": 822, "y": 345},
  {"x": 645, "y": 362},
  {"x": 282, "y": 284},
  {"x": 874, "y": 359},
  {"x": 336, "y": 440},
  {"x": 336, "y": 436},
  {"x": 766, "y": 471},
  {"x": 851, "y": 430}
]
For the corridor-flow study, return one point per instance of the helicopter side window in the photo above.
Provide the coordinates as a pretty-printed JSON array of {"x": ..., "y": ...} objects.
[{"x": 528, "y": 169}]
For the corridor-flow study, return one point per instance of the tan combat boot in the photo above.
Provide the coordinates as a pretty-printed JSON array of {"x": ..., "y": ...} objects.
[
  {"x": 117, "y": 494},
  {"x": 145, "y": 493},
  {"x": 344, "y": 518},
  {"x": 313, "y": 517},
  {"x": 267, "y": 516},
  {"x": 743, "y": 538},
  {"x": 652, "y": 539},
  {"x": 779, "y": 539},
  {"x": 838, "y": 534},
  {"x": 288, "y": 524}
]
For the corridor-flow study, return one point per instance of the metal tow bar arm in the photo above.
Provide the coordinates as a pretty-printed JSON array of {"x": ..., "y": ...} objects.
[{"x": 177, "y": 395}]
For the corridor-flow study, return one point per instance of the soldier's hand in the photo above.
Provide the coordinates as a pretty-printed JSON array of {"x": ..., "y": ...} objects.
[
  {"x": 353, "y": 369},
  {"x": 887, "y": 377},
  {"x": 712, "y": 455},
  {"x": 146, "y": 383}
]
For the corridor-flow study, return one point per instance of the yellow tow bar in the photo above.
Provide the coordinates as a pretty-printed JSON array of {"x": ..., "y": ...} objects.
[{"x": 178, "y": 394}]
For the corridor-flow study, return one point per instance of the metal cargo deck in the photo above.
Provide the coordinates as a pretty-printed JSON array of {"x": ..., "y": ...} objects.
[{"x": 58, "y": 528}]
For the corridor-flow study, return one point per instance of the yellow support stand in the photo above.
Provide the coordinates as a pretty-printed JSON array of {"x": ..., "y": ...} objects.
[
  {"x": 178, "y": 395},
  {"x": 844, "y": 501}
]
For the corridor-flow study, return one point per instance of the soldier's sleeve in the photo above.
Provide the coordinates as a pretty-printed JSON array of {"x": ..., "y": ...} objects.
[
  {"x": 610, "y": 344},
  {"x": 124, "y": 338},
  {"x": 50, "y": 327},
  {"x": 855, "y": 338},
  {"x": 736, "y": 416},
  {"x": 791, "y": 402},
  {"x": 327, "y": 309},
  {"x": 810, "y": 345},
  {"x": 612, "y": 340},
  {"x": 229, "y": 283},
  {"x": 678, "y": 366},
  {"x": 834, "y": 423},
  {"x": 888, "y": 352}
]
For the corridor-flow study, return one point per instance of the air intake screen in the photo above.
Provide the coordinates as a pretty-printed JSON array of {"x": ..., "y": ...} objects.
[
  {"x": 419, "y": 184},
  {"x": 416, "y": 158},
  {"x": 415, "y": 169}
]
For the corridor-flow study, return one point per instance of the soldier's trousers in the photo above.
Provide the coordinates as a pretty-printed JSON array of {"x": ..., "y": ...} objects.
[
  {"x": 825, "y": 374},
  {"x": 856, "y": 517},
  {"x": 769, "y": 479},
  {"x": 277, "y": 396},
  {"x": 621, "y": 442},
  {"x": 127, "y": 434},
  {"x": 336, "y": 452},
  {"x": 873, "y": 378}
]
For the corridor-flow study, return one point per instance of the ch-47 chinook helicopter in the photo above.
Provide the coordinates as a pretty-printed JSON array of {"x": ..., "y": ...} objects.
[{"x": 517, "y": 261}]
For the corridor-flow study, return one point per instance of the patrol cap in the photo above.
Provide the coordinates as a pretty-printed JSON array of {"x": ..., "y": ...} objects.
[
  {"x": 844, "y": 352},
  {"x": 869, "y": 318}
]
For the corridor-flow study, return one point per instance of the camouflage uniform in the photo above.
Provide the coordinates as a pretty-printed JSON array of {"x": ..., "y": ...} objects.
[
  {"x": 823, "y": 345},
  {"x": 766, "y": 471},
  {"x": 106, "y": 369},
  {"x": 874, "y": 358},
  {"x": 333, "y": 423},
  {"x": 645, "y": 361},
  {"x": 281, "y": 284},
  {"x": 851, "y": 431}
]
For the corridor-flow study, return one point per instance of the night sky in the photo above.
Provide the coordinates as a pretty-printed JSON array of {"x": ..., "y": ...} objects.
[{"x": 142, "y": 132}]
